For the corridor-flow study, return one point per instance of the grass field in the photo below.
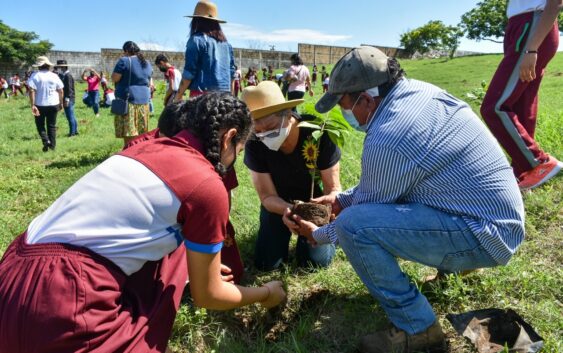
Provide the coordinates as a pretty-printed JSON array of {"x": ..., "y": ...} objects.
[{"x": 328, "y": 310}]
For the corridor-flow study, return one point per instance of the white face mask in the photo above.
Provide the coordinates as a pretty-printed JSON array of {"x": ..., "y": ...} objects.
[
  {"x": 273, "y": 139},
  {"x": 349, "y": 116}
]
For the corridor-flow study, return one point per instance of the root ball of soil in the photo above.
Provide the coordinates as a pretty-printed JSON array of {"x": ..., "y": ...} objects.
[{"x": 312, "y": 212}]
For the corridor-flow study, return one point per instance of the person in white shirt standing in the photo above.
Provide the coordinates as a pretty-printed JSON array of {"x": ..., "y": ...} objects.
[{"x": 46, "y": 98}]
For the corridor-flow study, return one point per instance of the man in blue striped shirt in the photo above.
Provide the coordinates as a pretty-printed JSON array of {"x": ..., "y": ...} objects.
[{"x": 435, "y": 188}]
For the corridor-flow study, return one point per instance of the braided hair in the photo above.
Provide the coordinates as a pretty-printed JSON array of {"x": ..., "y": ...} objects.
[
  {"x": 132, "y": 48},
  {"x": 205, "y": 116}
]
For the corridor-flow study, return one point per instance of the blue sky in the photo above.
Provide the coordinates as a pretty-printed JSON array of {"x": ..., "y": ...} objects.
[{"x": 90, "y": 25}]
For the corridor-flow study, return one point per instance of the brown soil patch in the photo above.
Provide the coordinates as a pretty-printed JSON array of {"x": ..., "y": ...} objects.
[{"x": 312, "y": 212}]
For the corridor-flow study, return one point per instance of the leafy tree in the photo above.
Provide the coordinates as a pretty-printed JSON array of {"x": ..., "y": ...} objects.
[
  {"x": 487, "y": 21},
  {"x": 20, "y": 47},
  {"x": 434, "y": 35}
]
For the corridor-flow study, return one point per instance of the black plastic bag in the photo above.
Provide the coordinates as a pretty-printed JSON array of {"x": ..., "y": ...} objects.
[{"x": 491, "y": 329}]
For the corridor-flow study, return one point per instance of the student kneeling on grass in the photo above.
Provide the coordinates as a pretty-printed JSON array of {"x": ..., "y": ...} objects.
[
  {"x": 435, "y": 188},
  {"x": 168, "y": 126},
  {"x": 97, "y": 271}
]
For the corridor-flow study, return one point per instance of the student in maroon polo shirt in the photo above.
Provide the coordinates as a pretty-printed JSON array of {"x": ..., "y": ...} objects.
[
  {"x": 96, "y": 271},
  {"x": 168, "y": 126}
]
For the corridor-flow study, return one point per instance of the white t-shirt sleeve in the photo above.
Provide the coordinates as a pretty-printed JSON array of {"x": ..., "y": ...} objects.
[
  {"x": 32, "y": 83},
  {"x": 58, "y": 83}
]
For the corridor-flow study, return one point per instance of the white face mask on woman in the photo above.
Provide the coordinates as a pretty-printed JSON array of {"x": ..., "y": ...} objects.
[{"x": 273, "y": 139}]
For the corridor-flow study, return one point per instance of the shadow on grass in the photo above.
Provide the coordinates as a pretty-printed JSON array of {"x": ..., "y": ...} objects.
[
  {"x": 317, "y": 318},
  {"x": 81, "y": 160},
  {"x": 26, "y": 138}
]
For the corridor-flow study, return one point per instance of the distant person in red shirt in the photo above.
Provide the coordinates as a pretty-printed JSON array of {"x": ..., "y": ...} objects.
[
  {"x": 93, "y": 80},
  {"x": 172, "y": 75}
]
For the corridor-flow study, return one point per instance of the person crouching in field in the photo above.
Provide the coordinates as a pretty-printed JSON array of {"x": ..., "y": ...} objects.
[
  {"x": 435, "y": 188},
  {"x": 168, "y": 126},
  {"x": 279, "y": 171},
  {"x": 98, "y": 270}
]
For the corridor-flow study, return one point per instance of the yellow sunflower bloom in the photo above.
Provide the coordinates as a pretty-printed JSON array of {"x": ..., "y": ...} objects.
[{"x": 310, "y": 153}]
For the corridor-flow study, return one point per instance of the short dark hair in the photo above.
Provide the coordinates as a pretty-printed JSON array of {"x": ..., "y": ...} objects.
[
  {"x": 205, "y": 116},
  {"x": 206, "y": 26},
  {"x": 159, "y": 58}
]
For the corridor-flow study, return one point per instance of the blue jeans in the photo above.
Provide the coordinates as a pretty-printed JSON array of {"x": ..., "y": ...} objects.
[
  {"x": 94, "y": 100},
  {"x": 272, "y": 245},
  {"x": 374, "y": 235},
  {"x": 72, "y": 125}
]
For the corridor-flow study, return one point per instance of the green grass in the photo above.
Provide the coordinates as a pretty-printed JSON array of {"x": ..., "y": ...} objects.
[{"x": 330, "y": 309}]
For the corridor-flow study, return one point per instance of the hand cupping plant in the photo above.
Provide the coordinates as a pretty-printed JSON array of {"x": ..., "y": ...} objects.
[{"x": 333, "y": 124}]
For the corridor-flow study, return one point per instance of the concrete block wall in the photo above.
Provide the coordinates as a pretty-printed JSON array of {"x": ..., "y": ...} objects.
[
  {"x": 77, "y": 61},
  {"x": 327, "y": 54},
  {"x": 104, "y": 61},
  {"x": 8, "y": 70}
]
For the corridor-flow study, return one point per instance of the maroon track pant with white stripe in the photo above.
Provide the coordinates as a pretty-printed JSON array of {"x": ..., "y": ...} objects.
[{"x": 510, "y": 105}]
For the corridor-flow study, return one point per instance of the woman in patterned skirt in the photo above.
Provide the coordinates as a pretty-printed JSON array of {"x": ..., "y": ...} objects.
[{"x": 132, "y": 76}]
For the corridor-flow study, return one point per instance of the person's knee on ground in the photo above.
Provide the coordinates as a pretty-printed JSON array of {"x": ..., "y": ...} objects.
[{"x": 319, "y": 256}]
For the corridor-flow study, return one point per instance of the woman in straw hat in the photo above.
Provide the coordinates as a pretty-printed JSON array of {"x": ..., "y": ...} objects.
[
  {"x": 46, "y": 98},
  {"x": 104, "y": 267},
  {"x": 278, "y": 159},
  {"x": 209, "y": 63}
]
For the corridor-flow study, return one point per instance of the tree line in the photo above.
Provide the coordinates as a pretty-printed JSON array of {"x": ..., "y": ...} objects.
[{"x": 486, "y": 21}]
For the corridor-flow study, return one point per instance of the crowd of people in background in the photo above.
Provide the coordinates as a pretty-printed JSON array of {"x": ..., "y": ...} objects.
[{"x": 12, "y": 85}]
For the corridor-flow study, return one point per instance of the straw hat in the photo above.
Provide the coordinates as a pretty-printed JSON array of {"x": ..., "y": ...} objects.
[
  {"x": 43, "y": 60},
  {"x": 266, "y": 99},
  {"x": 206, "y": 9}
]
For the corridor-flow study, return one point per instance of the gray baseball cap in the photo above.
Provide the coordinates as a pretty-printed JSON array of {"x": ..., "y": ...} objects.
[{"x": 360, "y": 69}]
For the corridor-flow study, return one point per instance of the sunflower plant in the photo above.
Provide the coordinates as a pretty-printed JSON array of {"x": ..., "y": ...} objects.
[{"x": 331, "y": 123}]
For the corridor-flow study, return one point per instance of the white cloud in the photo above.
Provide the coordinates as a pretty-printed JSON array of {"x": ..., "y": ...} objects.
[
  {"x": 289, "y": 35},
  {"x": 155, "y": 46}
]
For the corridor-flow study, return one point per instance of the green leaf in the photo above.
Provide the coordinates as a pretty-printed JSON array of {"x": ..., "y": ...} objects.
[
  {"x": 309, "y": 125},
  {"x": 338, "y": 140},
  {"x": 333, "y": 131},
  {"x": 316, "y": 135}
]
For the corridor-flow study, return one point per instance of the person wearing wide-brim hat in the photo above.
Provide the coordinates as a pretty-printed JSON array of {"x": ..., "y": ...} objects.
[
  {"x": 46, "y": 98},
  {"x": 279, "y": 158},
  {"x": 68, "y": 96},
  {"x": 209, "y": 63}
]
